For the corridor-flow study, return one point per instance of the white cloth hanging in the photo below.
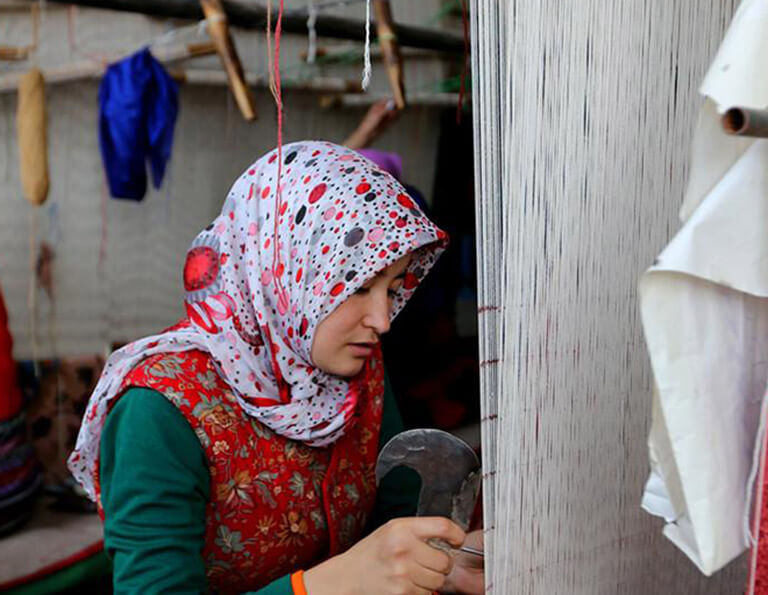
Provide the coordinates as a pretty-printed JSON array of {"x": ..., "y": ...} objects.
[{"x": 704, "y": 307}]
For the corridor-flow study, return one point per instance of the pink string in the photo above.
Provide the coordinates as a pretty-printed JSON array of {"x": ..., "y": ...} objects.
[
  {"x": 277, "y": 266},
  {"x": 103, "y": 241}
]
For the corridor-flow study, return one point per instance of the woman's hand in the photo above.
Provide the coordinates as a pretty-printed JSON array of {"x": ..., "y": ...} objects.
[
  {"x": 393, "y": 560},
  {"x": 468, "y": 574}
]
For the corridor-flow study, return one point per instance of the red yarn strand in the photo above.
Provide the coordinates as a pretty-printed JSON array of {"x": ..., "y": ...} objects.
[{"x": 277, "y": 269}]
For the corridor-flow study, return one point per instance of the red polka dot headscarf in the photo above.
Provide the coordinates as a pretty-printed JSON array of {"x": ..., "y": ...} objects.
[{"x": 267, "y": 271}]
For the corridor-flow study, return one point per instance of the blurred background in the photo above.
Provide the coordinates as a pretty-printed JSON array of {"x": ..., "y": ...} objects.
[{"x": 83, "y": 271}]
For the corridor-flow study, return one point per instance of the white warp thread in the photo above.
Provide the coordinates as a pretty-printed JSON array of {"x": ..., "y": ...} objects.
[{"x": 583, "y": 115}]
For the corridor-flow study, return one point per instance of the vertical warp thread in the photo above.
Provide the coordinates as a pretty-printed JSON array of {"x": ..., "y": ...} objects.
[{"x": 486, "y": 35}]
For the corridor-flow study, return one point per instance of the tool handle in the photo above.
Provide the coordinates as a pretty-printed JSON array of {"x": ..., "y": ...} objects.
[{"x": 444, "y": 546}]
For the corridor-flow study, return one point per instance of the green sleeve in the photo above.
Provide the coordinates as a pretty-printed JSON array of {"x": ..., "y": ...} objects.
[
  {"x": 155, "y": 485},
  {"x": 398, "y": 492}
]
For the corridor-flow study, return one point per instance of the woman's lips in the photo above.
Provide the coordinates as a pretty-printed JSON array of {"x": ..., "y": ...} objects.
[{"x": 362, "y": 349}]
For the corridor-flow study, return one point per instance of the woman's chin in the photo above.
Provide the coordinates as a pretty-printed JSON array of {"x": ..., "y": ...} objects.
[{"x": 348, "y": 368}]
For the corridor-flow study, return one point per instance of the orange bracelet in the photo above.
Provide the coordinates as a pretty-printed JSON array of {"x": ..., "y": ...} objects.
[{"x": 297, "y": 583}]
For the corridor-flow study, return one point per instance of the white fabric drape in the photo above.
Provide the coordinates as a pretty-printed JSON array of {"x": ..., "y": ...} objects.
[{"x": 705, "y": 315}]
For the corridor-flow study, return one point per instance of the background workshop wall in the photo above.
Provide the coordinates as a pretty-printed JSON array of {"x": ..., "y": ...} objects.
[
  {"x": 579, "y": 182},
  {"x": 137, "y": 288}
]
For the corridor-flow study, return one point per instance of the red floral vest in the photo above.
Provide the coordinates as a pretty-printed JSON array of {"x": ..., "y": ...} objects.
[{"x": 276, "y": 505}]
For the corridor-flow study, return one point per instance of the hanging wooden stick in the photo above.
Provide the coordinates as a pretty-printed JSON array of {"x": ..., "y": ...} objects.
[
  {"x": 10, "y": 53},
  {"x": 390, "y": 49},
  {"x": 218, "y": 29},
  {"x": 33, "y": 145}
]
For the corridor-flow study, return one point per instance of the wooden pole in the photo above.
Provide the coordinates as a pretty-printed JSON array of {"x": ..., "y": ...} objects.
[
  {"x": 253, "y": 16},
  {"x": 390, "y": 50},
  {"x": 218, "y": 29},
  {"x": 203, "y": 77},
  {"x": 84, "y": 69},
  {"x": 79, "y": 71},
  {"x": 346, "y": 100}
]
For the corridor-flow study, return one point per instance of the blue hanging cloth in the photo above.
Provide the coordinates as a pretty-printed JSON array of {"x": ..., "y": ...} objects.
[{"x": 138, "y": 105}]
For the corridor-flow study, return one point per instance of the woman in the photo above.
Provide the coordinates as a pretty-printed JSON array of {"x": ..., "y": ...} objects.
[{"x": 235, "y": 451}]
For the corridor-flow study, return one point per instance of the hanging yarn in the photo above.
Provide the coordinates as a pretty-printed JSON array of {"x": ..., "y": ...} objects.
[
  {"x": 32, "y": 290},
  {"x": 270, "y": 66},
  {"x": 277, "y": 266},
  {"x": 103, "y": 240},
  {"x": 33, "y": 147},
  {"x": 33, "y": 161},
  {"x": 312, "y": 31},
  {"x": 367, "y": 53}
]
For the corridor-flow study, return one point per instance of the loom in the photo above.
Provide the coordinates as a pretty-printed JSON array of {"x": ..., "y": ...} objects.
[{"x": 584, "y": 114}]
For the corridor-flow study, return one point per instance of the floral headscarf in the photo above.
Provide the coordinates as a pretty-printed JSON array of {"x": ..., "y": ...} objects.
[{"x": 266, "y": 272}]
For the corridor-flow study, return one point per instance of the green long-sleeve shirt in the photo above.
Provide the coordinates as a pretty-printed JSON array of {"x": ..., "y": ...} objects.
[{"x": 155, "y": 485}]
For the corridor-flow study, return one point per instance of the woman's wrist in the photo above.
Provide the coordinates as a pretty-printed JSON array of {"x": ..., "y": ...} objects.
[{"x": 328, "y": 578}]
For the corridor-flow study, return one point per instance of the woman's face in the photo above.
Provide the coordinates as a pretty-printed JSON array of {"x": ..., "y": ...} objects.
[{"x": 346, "y": 338}]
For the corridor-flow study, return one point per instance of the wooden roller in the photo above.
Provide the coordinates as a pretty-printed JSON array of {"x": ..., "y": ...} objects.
[
  {"x": 33, "y": 144},
  {"x": 218, "y": 29},
  {"x": 390, "y": 50},
  {"x": 742, "y": 121}
]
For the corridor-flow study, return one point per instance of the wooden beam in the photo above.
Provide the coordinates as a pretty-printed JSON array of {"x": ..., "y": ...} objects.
[
  {"x": 347, "y": 100},
  {"x": 252, "y": 16},
  {"x": 214, "y": 78},
  {"x": 84, "y": 69}
]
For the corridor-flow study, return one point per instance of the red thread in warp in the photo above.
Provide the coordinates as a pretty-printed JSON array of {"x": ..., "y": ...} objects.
[
  {"x": 462, "y": 89},
  {"x": 757, "y": 582}
]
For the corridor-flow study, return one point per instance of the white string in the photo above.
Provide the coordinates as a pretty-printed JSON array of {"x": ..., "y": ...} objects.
[
  {"x": 487, "y": 63},
  {"x": 312, "y": 31},
  {"x": 367, "y": 54},
  {"x": 172, "y": 35}
]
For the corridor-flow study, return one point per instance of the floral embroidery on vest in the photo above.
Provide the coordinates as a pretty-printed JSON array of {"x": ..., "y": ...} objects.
[{"x": 276, "y": 505}]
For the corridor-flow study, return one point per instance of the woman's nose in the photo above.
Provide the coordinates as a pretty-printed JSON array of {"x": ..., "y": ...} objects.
[{"x": 377, "y": 316}]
